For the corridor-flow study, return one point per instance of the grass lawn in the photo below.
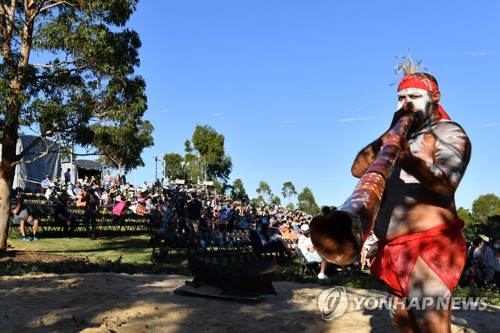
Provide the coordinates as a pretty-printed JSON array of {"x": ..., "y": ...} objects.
[{"x": 132, "y": 247}]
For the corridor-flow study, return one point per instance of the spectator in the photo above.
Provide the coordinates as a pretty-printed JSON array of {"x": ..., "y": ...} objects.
[
  {"x": 118, "y": 216},
  {"x": 309, "y": 252},
  {"x": 488, "y": 260},
  {"x": 78, "y": 189},
  {"x": 117, "y": 180},
  {"x": 262, "y": 244},
  {"x": 194, "y": 208},
  {"x": 107, "y": 180},
  {"x": 123, "y": 179},
  {"x": 63, "y": 217},
  {"x": 89, "y": 217},
  {"x": 67, "y": 176},
  {"x": 478, "y": 261},
  {"x": 45, "y": 184},
  {"x": 496, "y": 248},
  {"x": 57, "y": 183},
  {"x": 22, "y": 215}
]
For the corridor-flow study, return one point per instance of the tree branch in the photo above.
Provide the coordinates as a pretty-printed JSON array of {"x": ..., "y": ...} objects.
[
  {"x": 55, "y": 4},
  {"x": 27, "y": 150}
]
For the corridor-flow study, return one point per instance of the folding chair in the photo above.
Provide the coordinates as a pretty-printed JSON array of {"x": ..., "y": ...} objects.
[{"x": 312, "y": 267}]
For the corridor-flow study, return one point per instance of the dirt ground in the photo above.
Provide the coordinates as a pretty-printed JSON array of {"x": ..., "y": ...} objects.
[{"x": 107, "y": 302}]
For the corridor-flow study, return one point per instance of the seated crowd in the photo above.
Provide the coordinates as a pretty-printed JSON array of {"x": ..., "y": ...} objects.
[{"x": 191, "y": 214}]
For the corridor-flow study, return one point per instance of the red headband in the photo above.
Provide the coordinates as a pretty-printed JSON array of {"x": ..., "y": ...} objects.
[
  {"x": 422, "y": 82},
  {"x": 417, "y": 81}
]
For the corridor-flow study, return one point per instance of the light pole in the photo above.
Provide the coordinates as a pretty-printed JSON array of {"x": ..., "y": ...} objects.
[
  {"x": 184, "y": 165},
  {"x": 162, "y": 156},
  {"x": 156, "y": 167}
]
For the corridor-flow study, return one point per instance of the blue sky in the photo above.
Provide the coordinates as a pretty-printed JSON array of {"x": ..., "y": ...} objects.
[{"x": 297, "y": 88}]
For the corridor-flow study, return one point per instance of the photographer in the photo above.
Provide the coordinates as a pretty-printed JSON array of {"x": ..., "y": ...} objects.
[{"x": 22, "y": 214}]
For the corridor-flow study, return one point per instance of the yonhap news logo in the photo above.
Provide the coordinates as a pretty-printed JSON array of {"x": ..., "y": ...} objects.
[{"x": 334, "y": 302}]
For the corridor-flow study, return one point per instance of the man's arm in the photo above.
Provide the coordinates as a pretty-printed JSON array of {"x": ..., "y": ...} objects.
[
  {"x": 16, "y": 210},
  {"x": 441, "y": 159},
  {"x": 367, "y": 155}
]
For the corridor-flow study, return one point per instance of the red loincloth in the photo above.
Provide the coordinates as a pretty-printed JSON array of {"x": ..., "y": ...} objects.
[{"x": 441, "y": 247}]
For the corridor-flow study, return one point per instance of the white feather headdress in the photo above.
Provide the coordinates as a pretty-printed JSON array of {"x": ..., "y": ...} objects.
[{"x": 409, "y": 66}]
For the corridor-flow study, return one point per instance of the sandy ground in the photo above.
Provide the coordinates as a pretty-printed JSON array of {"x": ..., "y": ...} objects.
[{"x": 146, "y": 303}]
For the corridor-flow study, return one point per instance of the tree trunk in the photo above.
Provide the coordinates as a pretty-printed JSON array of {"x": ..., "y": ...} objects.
[
  {"x": 7, "y": 172},
  {"x": 5, "y": 190}
]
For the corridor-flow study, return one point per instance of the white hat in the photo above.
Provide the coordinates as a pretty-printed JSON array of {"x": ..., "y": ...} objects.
[{"x": 304, "y": 227}]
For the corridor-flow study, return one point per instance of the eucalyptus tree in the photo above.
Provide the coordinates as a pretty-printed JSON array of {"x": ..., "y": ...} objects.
[
  {"x": 307, "y": 202},
  {"x": 288, "y": 190},
  {"x": 486, "y": 214},
  {"x": 206, "y": 151},
  {"x": 175, "y": 166},
  {"x": 264, "y": 190},
  {"x": 238, "y": 191},
  {"x": 67, "y": 76}
]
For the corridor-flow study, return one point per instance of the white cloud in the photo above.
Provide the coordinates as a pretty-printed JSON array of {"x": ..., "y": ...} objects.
[
  {"x": 471, "y": 53},
  {"x": 289, "y": 121},
  {"x": 491, "y": 125},
  {"x": 218, "y": 114},
  {"x": 165, "y": 110},
  {"x": 354, "y": 119}
]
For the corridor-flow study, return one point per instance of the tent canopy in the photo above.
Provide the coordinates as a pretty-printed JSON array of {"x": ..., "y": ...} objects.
[
  {"x": 88, "y": 165},
  {"x": 81, "y": 168},
  {"x": 28, "y": 176}
]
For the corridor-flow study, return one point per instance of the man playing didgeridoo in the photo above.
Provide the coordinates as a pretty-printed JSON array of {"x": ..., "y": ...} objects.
[{"x": 421, "y": 251}]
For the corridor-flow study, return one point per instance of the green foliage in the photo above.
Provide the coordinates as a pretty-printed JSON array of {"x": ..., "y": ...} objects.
[
  {"x": 288, "y": 190},
  {"x": 466, "y": 216},
  {"x": 87, "y": 78},
  {"x": 174, "y": 166},
  {"x": 67, "y": 72},
  {"x": 307, "y": 203},
  {"x": 121, "y": 146},
  {"x": 485, "y": 217},
  {"x": 205, "y": 159},
  {"x": 276, "y": 201},
  {"x": 238, "y": 191},
  {"x": 213, "y": 162},
  {"x": 265, "y": 192},
  {"x": 258, "y": 202}
]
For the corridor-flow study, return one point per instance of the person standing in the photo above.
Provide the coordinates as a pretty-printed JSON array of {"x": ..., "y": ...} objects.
[
  {"x": 89, "y": 217},
  {"x": 496, "y": 249},
  {"x": 123, "y": 179},
  {"x": 421, "y": 251},
  {"x": 194, "y": 209},
  {"x": 488, "y": 260},
  {"x": 67, "y": 176},
  {"x": 107, "y": 180}
]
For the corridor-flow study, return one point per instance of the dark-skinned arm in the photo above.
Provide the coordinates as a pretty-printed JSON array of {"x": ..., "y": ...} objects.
[
  {"x": 369, "y": 154},
  {"x": 450, "y": 157}
]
